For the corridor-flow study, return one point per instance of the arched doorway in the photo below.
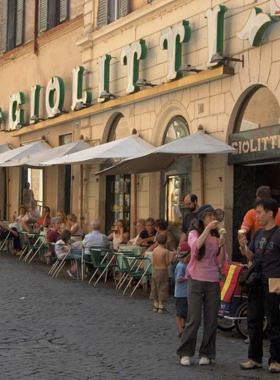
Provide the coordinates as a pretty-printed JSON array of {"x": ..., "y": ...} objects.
[
  {"x": 118, "y": 187},
  {"x": 176, "y": 181},
  {"x": 256, "y": 136}
]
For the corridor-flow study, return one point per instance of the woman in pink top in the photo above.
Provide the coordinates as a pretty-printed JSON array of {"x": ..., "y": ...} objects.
[{"x": 207, "y": 253}]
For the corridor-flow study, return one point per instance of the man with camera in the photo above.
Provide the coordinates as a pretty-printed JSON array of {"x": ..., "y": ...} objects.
[{"x": 264, "y": 248}]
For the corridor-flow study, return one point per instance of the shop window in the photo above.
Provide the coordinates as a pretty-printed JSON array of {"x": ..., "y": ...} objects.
[
  {"x": 176, "y": 181},
  {"x": 110, "y": 11},
  {"x": 118, "y": 189},
  {"x": 11, "y": 24},
  {"x": 252, "y": 115},
  {"x": 52, "y": 13}
]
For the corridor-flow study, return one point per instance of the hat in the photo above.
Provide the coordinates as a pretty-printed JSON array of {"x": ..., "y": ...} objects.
[
  {"x": 207, "y": 209},
  {"x": 185, "y": 250}
]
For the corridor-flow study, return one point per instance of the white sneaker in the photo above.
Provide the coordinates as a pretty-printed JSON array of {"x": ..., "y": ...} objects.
[
  {"x": 204, "y": 361},
  {"x": 185, "y": 360}
]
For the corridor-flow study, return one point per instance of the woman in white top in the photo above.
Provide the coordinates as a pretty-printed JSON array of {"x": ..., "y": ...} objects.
[
  {"x": 120, "y": 235},
  {"x": 62, "y": 247},
  {"x": 76, "y": 230}
]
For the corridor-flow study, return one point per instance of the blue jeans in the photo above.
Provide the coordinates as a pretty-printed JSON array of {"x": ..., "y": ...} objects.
[{"x": 262, "y": 303}]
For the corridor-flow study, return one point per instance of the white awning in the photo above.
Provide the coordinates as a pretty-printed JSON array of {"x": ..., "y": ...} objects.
[
  {"x": 122, "y": 148},
  {"x": 23, "y": 151},
  {"x": 35, "y": 160},
  {"x": 162, "y": 157},
  {"x": 4, "y": 148}
]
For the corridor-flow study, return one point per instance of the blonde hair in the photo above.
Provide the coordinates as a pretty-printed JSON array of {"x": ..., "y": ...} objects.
[
  {"x": 72, "y": 217},
  {"x": 62, "y": 216}
]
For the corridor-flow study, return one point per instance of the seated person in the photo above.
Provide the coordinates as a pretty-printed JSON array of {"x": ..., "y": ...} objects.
[
  {"x": 146, "y": 237},
  {"x": 45, "y": 219},
  {"x": 120, "y": 235},
  {"x": 62, "y": 247},
  {"x": 4, "y": 232},
  {"x": 76, "y": 231},
  {"x": 32, "y": 216},
  {"x": 53, "y": 235},
  {"x": 140, "y": 226},
  {"x": 95, "y": 238},
  {"x": 161, "y": 228},
  {"x": 17, "y": 220},
  {"x": 61, "y": 214}
]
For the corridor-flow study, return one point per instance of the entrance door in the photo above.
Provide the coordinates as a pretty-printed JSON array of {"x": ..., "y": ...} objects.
[{"x": 246, "y": 181}]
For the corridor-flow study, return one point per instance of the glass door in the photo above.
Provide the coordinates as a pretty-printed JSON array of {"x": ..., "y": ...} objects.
[{"x": 118, "y": 200}]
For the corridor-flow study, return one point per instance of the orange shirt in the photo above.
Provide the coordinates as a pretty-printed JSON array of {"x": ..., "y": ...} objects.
[{"x": 250, "y": 222}]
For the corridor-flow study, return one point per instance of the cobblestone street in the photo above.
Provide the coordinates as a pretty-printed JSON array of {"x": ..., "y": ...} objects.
[{"x": 55, "y": 329}]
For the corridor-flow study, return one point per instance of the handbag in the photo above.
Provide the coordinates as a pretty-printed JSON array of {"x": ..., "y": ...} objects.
[{"x": 251, "y": 277}]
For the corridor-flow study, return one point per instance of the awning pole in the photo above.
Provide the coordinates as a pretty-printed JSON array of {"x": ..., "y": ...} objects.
[
  {"x": 201, "y": 161},
  {"x": 135, "y": 199},
  {"x": 82, "y": 194},
  {"x": 7, "y": 196}
]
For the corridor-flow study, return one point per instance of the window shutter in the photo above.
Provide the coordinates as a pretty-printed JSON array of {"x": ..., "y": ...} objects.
[
  {"x": 19, "y": 22},
  {"x": 43, "y": 15},
  {"x": 123, "y": 8},
  {"x": 63, "y": 10},
  {"x": 4, "y": 26},
  {"x": 102, "y": 13}
]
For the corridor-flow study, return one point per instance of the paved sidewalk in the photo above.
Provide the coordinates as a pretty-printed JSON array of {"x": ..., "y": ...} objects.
[{"x": 54, "y": 329}]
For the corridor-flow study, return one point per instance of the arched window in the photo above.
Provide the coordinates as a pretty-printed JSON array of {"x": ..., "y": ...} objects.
[
  {"x": 260, "y": 109},
  {"x": 176, "y": 129},
  {"x": 177, "y": 180}
]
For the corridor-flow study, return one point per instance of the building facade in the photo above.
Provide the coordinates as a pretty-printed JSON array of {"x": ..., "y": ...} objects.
[{"x": 118, "y": 43}]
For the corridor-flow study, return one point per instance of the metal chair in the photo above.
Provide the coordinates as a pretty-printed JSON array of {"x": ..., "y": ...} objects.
[
  {"x": 61, "y": 261},
  {"x": 138, "y": 273},
  {"x": 102, "y": 264}
]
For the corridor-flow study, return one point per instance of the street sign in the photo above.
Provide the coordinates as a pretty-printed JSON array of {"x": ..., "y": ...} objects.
[{"x": 275, "y": 8}]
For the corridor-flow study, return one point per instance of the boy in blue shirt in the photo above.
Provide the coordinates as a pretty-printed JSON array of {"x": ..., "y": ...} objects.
[{"x": 181, "y": 289}]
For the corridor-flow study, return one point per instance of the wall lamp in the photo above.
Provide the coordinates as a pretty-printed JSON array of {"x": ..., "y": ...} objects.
[
  {"x": 225, "y": 59},
  {"x": 36, "y": 119},
  {"x": 185, "y": 68},
  {"x": 144, "y": 83},
  {"x": 107, "y": 95}
]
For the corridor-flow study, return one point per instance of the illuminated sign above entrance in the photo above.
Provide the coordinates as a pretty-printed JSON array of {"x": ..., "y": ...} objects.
[{"x": 257, "y": 145}]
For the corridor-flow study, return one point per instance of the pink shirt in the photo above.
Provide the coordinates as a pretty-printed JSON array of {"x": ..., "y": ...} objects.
[{"x": 207, "y": 268}]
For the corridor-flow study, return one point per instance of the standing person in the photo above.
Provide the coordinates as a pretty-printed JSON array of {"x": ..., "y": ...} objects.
[
  {"x": 160, "y": 285},
  {"x": 192, "y": 207},
  {"x": 264, "y": 248},
  {"x": 250, "y": 222},
  {"x": 27, "y": 196},
  {"x": 207, "y": 253},
  {"x": 181, "y": 291}
]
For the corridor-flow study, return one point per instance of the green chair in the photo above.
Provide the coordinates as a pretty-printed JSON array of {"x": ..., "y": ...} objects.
[
  {"x": 4, "y": 241},
  {"x": 102, "y": 264},
  {"x": 137, "y": 273},
  {"x": 35, "y": 242},
  {"x": 88, "y": 261},
  {"x": 60, "y": 262},
  {"x": 122, "y": 267}
]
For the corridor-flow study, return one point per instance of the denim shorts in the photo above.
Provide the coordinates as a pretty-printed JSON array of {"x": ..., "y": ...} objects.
[{"x": 182, "y": 307}]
